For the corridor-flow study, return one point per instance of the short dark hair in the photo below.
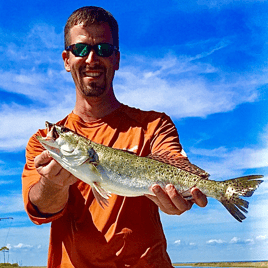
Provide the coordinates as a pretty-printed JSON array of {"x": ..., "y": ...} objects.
[{"x": 89, "y": 15}]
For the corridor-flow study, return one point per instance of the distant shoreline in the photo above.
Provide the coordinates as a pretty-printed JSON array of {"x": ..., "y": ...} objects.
[{"x": 225, "y": 264}]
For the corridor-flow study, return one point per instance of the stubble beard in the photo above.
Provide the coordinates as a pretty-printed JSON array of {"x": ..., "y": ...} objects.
[{"x": 93, "y": 89}]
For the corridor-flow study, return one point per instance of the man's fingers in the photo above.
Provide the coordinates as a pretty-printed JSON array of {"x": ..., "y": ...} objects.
[
  {"x": 160, "y": 199},
  {"x": 154, "y": 199},
  {"x": 52, "y": 172},
  {"x": 42, "y": 159},
  {"x": 179, "y": 202},
  {"x": 168, "y": 200},
  {"x": 199, "y": 198},
  {"x": 46, "y": 165}
]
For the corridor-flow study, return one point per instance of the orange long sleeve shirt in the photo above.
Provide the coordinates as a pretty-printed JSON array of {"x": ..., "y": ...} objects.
[{"x": 127, "y": 233}]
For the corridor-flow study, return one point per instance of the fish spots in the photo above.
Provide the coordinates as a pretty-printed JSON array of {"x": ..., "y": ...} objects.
[{"x": 230, "y": 191}]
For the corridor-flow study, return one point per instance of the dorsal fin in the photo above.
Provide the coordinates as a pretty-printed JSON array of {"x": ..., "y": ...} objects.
[{"x": 179, "y": 162}]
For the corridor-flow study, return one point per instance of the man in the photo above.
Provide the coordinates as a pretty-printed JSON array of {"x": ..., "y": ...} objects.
[{"x": 127, "y": 233}]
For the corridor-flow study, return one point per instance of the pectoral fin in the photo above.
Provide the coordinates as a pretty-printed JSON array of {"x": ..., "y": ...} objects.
[{"x": 100, "y": 194}]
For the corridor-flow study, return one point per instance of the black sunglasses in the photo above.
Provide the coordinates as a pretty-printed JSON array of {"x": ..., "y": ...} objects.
[{"x": 82, "y": 50}]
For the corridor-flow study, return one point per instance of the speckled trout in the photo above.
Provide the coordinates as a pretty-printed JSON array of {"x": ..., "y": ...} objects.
[{"x": 109, "y": 170}]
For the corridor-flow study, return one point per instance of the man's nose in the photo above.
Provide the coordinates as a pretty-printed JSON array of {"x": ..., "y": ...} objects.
[{"x": 92, "y": 57}]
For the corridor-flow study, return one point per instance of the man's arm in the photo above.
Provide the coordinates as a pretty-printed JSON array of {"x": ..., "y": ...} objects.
[{"x": 51, "y": 193}]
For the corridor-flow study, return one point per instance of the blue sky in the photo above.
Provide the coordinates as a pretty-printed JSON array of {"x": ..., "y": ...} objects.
[{"x": 202, "y": 62}]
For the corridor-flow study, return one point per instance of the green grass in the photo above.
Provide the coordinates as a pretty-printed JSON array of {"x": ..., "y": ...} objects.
[
  {"x": 8, "y": 265},
  {"x": 224, "y": 264}
]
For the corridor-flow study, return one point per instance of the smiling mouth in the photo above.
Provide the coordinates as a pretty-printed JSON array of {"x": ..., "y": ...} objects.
[{"x": 93, "y": 74}]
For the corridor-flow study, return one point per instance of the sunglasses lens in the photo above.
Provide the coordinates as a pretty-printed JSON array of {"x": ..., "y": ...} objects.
[
  {"x": 80, "y": 50},
  {"x": 104, "y": 50}
]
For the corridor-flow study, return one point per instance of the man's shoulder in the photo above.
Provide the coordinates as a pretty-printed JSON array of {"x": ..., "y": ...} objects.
[{"x": 142, "y": 115}]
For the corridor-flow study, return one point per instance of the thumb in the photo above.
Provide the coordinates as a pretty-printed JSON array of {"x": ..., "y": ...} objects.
[{"x": 42, "y": 159}]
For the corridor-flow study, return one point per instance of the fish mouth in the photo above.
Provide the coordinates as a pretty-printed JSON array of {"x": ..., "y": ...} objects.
[
  {"x": 50, "y": 139},
  {"x": 52, "y": 133},
  {"x": 50, "y": 145}
]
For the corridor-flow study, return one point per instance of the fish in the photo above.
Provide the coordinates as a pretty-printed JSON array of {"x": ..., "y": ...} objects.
[{"x": 114, "y": 171}]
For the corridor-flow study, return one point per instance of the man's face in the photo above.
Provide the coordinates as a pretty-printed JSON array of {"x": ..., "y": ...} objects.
[{"x": 93, "y": 75}]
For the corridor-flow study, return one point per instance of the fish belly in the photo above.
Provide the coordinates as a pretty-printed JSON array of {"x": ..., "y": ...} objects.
[{"x": 123, "y": 184}]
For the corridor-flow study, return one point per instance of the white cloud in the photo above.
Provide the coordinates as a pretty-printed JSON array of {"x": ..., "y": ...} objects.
[
  {"x": 192, "y": 244},
  {"x": 236, "y": 240},
  {"x": 177, "y": 242},
  {"x": 249, "y": 241},
  {"x": 184, "y": 244},
  {"x": 19, "y": 123},
  {"x": 261, "y": 238},
  {"x": 22, "y": 246},
  {"x": 179, "y": 86},
  {"x": 37, "y": 71},
  {"x": 25, "y": 243},
  {"x": 45, "y": 35},
  {"x": 222, "y": 161},
  {"x": 49, "y": 90},
  {"x": 215, "y": 241},
  {"x": 37, "y": 85}
]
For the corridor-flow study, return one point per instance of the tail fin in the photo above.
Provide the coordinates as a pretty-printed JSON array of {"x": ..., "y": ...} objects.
[{"x": 243, "y": 186}]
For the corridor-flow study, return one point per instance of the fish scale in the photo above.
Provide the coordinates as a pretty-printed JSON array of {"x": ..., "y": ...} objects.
[
  {"x": 135, "y": 171},
  {"x": 110, "y": 170}
]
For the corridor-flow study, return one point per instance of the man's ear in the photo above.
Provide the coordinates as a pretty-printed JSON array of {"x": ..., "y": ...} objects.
[{"x": 65, "y": 57}]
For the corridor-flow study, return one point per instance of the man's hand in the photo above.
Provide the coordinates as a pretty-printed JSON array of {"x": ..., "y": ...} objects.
[
  {"x": 52, "y": 171},
  {"x": 171, "y": 202},
  {"x": 51, "y": 193}
]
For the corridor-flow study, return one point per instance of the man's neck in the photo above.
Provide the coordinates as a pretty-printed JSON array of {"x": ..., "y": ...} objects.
[{"x": 93, "y": 108}]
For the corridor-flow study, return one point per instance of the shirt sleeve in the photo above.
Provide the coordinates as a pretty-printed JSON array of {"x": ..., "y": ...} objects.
[
  {"x": 166, "y": 138},
  {"x": 30, "y": 177},
  {"x": 166, "y": 147}
]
